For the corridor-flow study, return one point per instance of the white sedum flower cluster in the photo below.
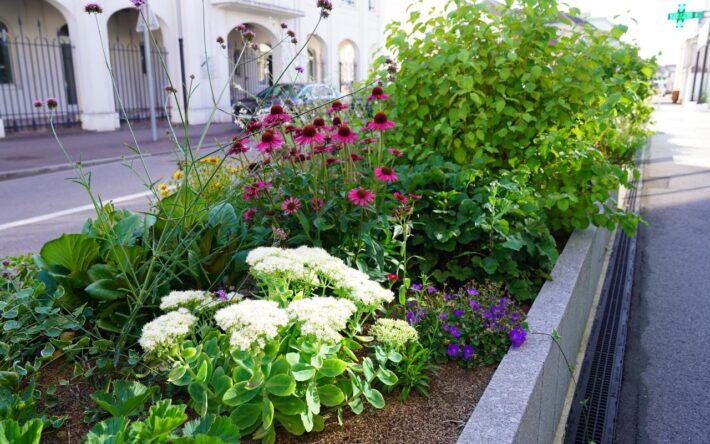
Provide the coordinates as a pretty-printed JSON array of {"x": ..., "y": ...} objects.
[
  {"x": 393, "y": 332},
  {"x": 314, "y": 265},
  {"x": 195, "y": 300},
  {"x": 166, "y": 330},
  {"x": 251, "y": 322},
  {"x": 322, "y": 317}
]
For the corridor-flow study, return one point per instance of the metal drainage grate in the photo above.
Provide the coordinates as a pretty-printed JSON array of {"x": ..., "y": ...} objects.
[{"x": 593, "y": 413}]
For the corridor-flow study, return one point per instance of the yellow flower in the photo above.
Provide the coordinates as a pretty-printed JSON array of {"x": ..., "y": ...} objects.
[
  {"x": 178, "y": 175},
  {"x": 233, "y": 170},
  {"x": 211, "y": 160},
  {"x": 163, "y": 187}
]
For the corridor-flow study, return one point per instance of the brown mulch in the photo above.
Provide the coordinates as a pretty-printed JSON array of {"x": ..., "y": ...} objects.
[
  {"x": 73, "y": 399},
  {"x": 439, "y": 419}
]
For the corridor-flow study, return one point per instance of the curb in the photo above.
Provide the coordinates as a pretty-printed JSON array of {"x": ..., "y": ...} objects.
[
  {"x": 27, "y": 172},
  {"x": 525, "y": 398}
]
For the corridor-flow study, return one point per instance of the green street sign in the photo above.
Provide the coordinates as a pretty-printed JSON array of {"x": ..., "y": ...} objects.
[{"x": 682, "y": 15}]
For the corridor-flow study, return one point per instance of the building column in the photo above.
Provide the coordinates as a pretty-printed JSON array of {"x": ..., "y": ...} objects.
[{"x": 94, "y": 84}]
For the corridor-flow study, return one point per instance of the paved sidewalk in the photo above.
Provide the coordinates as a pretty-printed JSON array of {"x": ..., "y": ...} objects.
[
  {"x": 21, "y": 154},
  {"x": 667, "y": 364}
]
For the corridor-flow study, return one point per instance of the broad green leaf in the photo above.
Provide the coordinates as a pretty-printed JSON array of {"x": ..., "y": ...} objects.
[{"x": 281, "y": 385}]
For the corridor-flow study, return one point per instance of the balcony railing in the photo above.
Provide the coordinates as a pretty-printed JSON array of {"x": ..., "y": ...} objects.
[{"x": 278, "y": 8}]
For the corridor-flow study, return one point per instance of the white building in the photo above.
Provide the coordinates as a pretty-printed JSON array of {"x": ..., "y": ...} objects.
[{"x": 53, "y": 48}]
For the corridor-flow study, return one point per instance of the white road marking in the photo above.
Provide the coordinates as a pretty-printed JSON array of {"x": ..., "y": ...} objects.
[{"x": 48, "y": 216}]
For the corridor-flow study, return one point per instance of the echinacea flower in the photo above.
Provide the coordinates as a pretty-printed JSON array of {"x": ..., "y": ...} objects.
[
  {"x": 249, "y": 214},
  {"x": 395, "y": 152},
  {"x": 238, "y": 146},
  {"x": 270, "y": 141},
  {"x": 316, "y": 203},
  {"x": 319, "y": 122},
  {"x": 468, "y": 352},
  {"x": 336, "y": 106},
  {"x": 309, "y": 136},
  {"x": 93, "y": 8},
  {"x": 400, "y": 197},
  {"x": 377, "y": 94},
  {"x": 453, "y": 350},
  {"x": 277, "y": 116},
  {"x": 345, "y": 135},
  {"x": 369, "y": 140},
  {"x": 380, "y": 123},
  {"x": 385, "y": 174},
  {"x": 291, "y": 206},
  {"x": 361, "y": 197}
]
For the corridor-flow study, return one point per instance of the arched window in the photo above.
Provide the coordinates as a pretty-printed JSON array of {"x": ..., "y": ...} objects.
[
  {"x": 5, "y": 66},
  {"x": 312, "y": 66}
]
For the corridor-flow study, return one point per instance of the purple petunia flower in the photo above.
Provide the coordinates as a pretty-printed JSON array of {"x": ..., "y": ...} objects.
[
  {"x": 474, "y": 305},
  {"x": 453, "y": 351},
  {"x": 514, "y": 317},
  {"x": 517, "y": 336},
  {"x": 431, "y": 289},
  {"x": 471, "y": 291},
  {"x": 416, "y": 287},
  {"x": 455, "y": 332},
  {"x": 458, "y": 313},
  {"x": 468, "y": 352}
]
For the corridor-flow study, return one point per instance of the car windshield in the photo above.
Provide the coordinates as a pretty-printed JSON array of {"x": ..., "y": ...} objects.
[{"x": 280, "y": 90}]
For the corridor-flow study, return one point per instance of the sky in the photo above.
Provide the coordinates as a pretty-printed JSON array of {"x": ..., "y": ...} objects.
[{"x": 652, "y": 30}]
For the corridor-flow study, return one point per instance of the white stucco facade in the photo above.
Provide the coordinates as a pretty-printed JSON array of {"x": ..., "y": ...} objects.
[{"x": 339, "y": 50}]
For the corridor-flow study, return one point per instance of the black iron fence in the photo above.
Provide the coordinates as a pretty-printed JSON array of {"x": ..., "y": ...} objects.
[
  {"x": 254, "y": 73},
  {"x": 130, "y": 73},
  {"x": 36, "y": 68}
]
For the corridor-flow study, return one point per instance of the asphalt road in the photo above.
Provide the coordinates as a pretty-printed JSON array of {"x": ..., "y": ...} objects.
[
  {"x": 666, "y": 371},
  {"x": 38, "y": 208}
]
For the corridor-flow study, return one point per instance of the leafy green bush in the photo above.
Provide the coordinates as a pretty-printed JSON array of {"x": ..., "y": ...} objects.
[
  {"x": 471, "y": 227},
  {"x": 28, "y": 433},
  {"x": 516, "y": 86}
]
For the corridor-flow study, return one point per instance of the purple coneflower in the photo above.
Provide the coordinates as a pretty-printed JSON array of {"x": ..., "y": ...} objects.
[
  {"x": 380, "y": 123},
  {"x": 377, "y": 94},
  {"x": 309, "y": 136},
  {"x": 270, "y": 141},
  {"x": 345, "y": 135}
]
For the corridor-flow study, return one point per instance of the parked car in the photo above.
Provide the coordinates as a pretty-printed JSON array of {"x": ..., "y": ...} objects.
[{"x": 298, "y": 93}]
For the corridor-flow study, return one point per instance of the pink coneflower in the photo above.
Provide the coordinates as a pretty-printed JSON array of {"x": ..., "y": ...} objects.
[
  {"x": 93, "y": 8},
  {"x": 332, "y": 161},
  {"x": 51, "y": 103},
  {"x": 37, "y": 104},
  {"x": 319, "y": 122},
  {"x": 237, "y": 147},
  {"x": 291, "y": 206},
  {"x": 337, "y": 106},
  {"x": 395, "y": 152},
  {"x": 385, "y": 174},
  {"x": 400, "y": 197},
  {"x": 361, "y": 197},
  {"x": 309, "y": 136},
  {"x": 356, "y": 157},
  {"x": 270, "y": 141},
  {"x": 277, "y": 116},
  {"x": 322, "y": 149},
  {"x": 316, "y": 203},
  {"x": 249, "y": 214},
  {"x": 369, "y": 140},
  {"x": 378, "y": 94},
  {"x": 365, "y": 150},
  {"x": 380, "y": 123},
  {"x": 261, "y": 185},
  {"x": 344, "y": 135}
]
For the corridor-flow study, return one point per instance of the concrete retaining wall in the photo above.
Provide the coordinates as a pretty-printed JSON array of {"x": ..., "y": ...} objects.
[{"x": 525, "y": 398}]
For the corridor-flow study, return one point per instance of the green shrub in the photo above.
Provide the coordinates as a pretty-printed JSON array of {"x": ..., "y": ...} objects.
[
  {"x": 515, "y": 86},
  {"x": 472, "y": 227}
]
